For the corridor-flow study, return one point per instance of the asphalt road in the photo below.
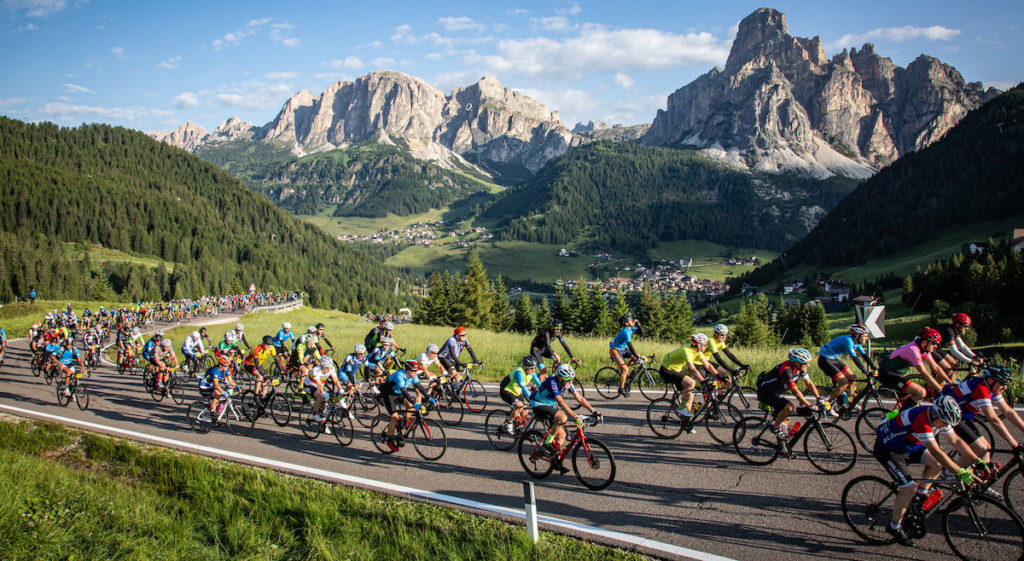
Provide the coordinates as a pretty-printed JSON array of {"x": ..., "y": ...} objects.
[{"x": 688, "y": 492}]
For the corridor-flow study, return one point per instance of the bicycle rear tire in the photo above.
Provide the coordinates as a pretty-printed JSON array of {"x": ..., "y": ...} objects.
[
  {"x": 982, "y": 529},
  {"x": 475, "y": 396},
  {"x": 867, "y": 508},
  {"x": 527, "y": 446},
  {"x": 243, "y": 424},
  {"x": 595, "y": 466},
  {"x": 199, "y": 417},
  {"x": 760, "y": 453},
  {"x": 62, "y": 399},
  {"x": 837, "y": 456},
  {"x": 663, "y": 419},
  {"x": 498, "y": 438},
  {"x": 377, "y": 433},
  {"x": 429, "y": 440},
  {"x": 606, "y": 382}
]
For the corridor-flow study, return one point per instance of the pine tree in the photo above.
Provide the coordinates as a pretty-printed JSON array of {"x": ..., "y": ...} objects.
[
  {"x": 750, "y": 329},
  {"x": 541, "y": 314},
  {"x": 501, "y": 308},
  {"x": 619, "y": 309},
  {"x": 523, "y": 319},
  {"x": 579, "y": 322},
  {"x": 562, "y": 309},
  {"x": 598, "y": 308},
  {"x": 650, "y": 313},
  {"x": 475, "y": 304}
]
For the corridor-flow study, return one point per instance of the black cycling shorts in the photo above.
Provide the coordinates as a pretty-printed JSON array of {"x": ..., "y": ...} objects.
[
  {"x": 774, "y": 400},
  {"x": 968, "y": 431},
  {"x": 447, "y": 364},
  {"x": 545, "y": 414},
  {"x": 394, "y": 403},
  {"x": 896, "y": 464},
  {"x": 508, "y": 397},
  {"x": 833, "y": 367},
  {"x": 671, "y": 377},
  {"x": 891, "y": 379}
]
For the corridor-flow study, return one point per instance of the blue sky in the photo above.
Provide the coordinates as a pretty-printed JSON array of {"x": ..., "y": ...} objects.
[{"x": 153, "y": 65}]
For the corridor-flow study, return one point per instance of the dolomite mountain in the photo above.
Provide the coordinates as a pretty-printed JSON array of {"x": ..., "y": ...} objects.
[
  {"x": 780, "y": 104},
  {"x": 503, "y": 132}
]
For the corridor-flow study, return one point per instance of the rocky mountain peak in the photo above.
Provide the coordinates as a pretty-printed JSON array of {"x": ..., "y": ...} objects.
[
  {"x": 763, "y": 26},
  {"x": 188, "y": 136}
]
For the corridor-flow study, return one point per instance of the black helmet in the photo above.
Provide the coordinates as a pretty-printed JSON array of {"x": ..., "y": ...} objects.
[
  {"x": 556, "y": 324},
  {"x": 319, "y": 326},
  {"x": 625, "y": 318},
  {"x": 529, "y": 361},
  {"x": 999, "y": 373},
  {"x": 268, "y": 340}
]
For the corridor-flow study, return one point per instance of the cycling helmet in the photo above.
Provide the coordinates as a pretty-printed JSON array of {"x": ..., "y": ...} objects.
[
  {"x": 195, "y": 334},
  {"x": 999, "y": 373},
  {"x": 529, "y": 361},
  {"x": 386, "y": 340},
  {"x": 722, "y": 329},
  {"x": 387, "y": 325},
  {"x": 320, "y": 326},
  {"x": 929, "y": 335},
  {"x": 202, "y": 329},
  {"x": 159, "y": 333},
  {"x": 360, "y": 348},
  {"x": 858, "y": 329},
  {"x": 625, "y": 319},
  {"x": 432, "y": 348},
  {"x": 69, "y": 307},
  {"x": 961, "y": 318},
  {"x": 799, "y": 355},
  {"x": 286, "y": 326},
  {"x": 136, "y": 331},
  {"x": 947, "y": 409},
  {"x": 166, "y": 342},
  {"x": 412, "y": 365},
  {"x": 311, "y": 329},
  {"x": 565, "y": 372},
  {"x": 268, "y": 340},
  {"x": 699, "y": 339},
  {"x": 229, "y": 337},
  {"x": 557, "y": 324},
  {"x": 223, "y": 360},
  {"x": 327, "y": 363},
  {"x": 460, "y": 330},
  {"x": 239, "y": 327}
]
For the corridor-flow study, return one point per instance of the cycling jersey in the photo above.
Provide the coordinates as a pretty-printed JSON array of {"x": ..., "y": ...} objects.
[
  {"x": 123, "y": 338},
  {"x": 677, "y": 359},
  {"x": 715, "y": 346},
  {"x": 213, "y": 374},
  {"x": 515, "y": 382},
  {"x": 317, "y": 374},
  {"x": 53, "y": 348},
  {"x": 224, "y": 347},
  {"x": 542, "y": 343},
  {"x": 350, "y": 367},
  {"x": 66, "y": 356},
  {"x": 193, "y": 345},
  {"x": 622, "y": 340},
  {"x": 283, "y": 336},
  {"x": 452, "y": 348},
  {"x": 972, "y": 394},
  {"x": 952, "y": 341},
  {"x": 3, "y": 334},
  {"x": 908, "y": 431},
  {"x": 426, "y": 362},
  {"x": 548, "y": 391},
  {"x": 305, "y": 346},
  {"x": 903, "y": 358},
  {"x": 147, "y": 350},
  {"x": 842, "y": 345},
  {"x": 259, "y": 354},
  {"x": 378, "y": 356},
  {"x": 162, "y": 353},
  {"x": 781, "y": 378}
]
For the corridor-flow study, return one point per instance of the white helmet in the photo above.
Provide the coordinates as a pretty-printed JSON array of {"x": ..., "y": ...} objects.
[
  {"x": 360, "y": 348},
  {"x": 286, "y": 325},
  {"x": 311, "y": 329},
  {"x": 386, "y": 340},
  {"x": 432, "y": 348},
  {"x": 327, "y": 363},
  {"x": 195, "y": 334},
  {"x": 388, "y": 325},
  {"x": 229, "y": 337},
  {"x": 239, "y": 327},
  {"x": 166, "y": 342},
  {"x": 722, "y": 329},
  {"x": 699, "y": 339}
]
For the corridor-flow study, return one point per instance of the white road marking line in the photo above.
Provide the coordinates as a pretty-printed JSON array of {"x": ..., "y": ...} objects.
[{"x": 611, "y": 535}]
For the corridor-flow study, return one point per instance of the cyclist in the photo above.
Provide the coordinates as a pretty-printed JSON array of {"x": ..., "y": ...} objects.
[
  {"x": 151, "y": 345},
  {"x": 783, "y": 377},
  {"x": 427, "y": 359},
  {"x": 63, "y": 357},
  {"x": 253, "y": 363},
  {"x": 717, "y": 347},
  {"x": 217, "y": 382},
  {"x": 228, "y": 346},
  {"x": 136, "y": 339},
  {"x": 550, "y": 407},
  {"x": 621, "y": 349},
  {"x": 399, "y": 396},
  {"x": 165, "y": 360},
  {"x": 91, "y": 340},
  {"x": 193, "y": 347},
  {"x": 33, "y": 336},
  {"x": 378, "y": 360},
  {"x": 349, "y": 370},
  {"x": 321, "y": 337},
  {"x": 910, "y": 438},
  {"x": 540, "y": 347},
  {"x": 952, "y": 339},
  {"x": 315, "y": 385},
  {"x": 238, "y": 333},
  {"x": 852, "y": 345},
  {"x": 693, "y": 359},
  {"x": 892, "y": 369},
  {"x": 305, "y": 352},
  {"x": 450, "y": 351},
  {"x": 284, "y": 334},
  {"x": 980, "y": 396},
  {"x": 515, "y": 391},
  {"x": 3, "y": 343},
  {"x": 383, "y": 329}
]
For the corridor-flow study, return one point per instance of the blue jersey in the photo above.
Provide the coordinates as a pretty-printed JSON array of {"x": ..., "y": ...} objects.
[
  {"x": 548, "y": 391},
  {"x": 399, "y": 382},
  {"x": 621, "y": 341},
  {"x": 66, "y": 356},
  {"x": 351, "y": 365},
  {"x": 842, "y": 345},
  {"x": 281, "y": 337},
  {"x": 378, "y": 355},
  {"x": 215, "y": 373},
  {"x": 53, "y": 349},
  {"x": 147, "y": 349},
  {"x": 908, "y": 431},
  {"x": 3, "y": 334}
]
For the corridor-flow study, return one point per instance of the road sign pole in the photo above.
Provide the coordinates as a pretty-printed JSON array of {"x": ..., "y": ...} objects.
[{"x": 531, "y": 511}]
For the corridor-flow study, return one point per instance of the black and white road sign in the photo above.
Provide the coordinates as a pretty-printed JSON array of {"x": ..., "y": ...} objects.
[{"x": 873, "y": 317}]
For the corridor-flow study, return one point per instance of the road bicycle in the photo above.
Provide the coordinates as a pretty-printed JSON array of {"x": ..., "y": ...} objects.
[
  {"x": 129, "y": 361},
  {"x": 976, "y": 527},
  {"x": 494, "y": 426},
  {"x": 828, "y": 447},
  {"x": 718, "y": 416},
  {"x": 92, "y": 357},
  {"x": 448, "y": 406},
  {"x": 606, "y": 381},
  {"x": 869, "y": 393},
  {"x": 173, "y": 386},
  {"x": 741, "y": 397},
  {"x": 472, "y": 392},
  {"x": 238, "y": 417},
  {"x": 75, "y": 389},
  {"x": 277, "y": 404},
  {"x": 426, "y": 435},
  {"x": 592, "y": 461},
  {"x": 333, "y": 420}
]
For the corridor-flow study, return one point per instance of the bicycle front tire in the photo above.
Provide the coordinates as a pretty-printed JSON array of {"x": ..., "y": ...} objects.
[
  {"x": 449, "y": 408},
  {"x": 475, "y": 396},
  {"x": 720, "y": 420},
  {"x": 651, "y": 387},
  {"x": 867, "y": 426},
  {"x": 867, "y": 508},
  {"x": 982, "y": 529},
  {"x": 341, "y": 426},
  {"x": 81, "y": 396},
  {"x": 429, "y": 440},
  {"x": 835, "y": 453},
  {"x": 280, "y": 409},
  {"x": 593, "y": 464}
]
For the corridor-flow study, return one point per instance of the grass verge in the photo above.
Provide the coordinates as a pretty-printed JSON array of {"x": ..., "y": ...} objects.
[{"x": 86, "y": 496}]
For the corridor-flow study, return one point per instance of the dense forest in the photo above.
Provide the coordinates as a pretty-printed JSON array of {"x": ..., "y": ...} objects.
[
  {"x": 122, "y": 190},
  {"x": 365, "y": 179},
  {"x": 631, "y": 197},
  {"x": 973, "y": 174}
]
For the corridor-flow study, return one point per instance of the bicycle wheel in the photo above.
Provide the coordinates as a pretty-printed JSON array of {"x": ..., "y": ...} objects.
[
  {"x": 593, "y": 464},
  {"x": 449, "y": 408},
  {"x": 745, "y": 399},
  {"x": 310, "y": 427},
  {"x": 475, "y": 396},
  {"x": 832, "y": 450},
  {"x": 652, "y": 388},
  {"x": 241, "y": 420},
  {"x": 341, "y": 426},
  {"x": 982, "y": 528},
  {"x": 754, "y": 441},
  {"x": 529, "y": 444},
  {"x": 176, "y": 388},
  {"x": 280, "y": 409},
  {"x": 48, "y": 375},
  {"x": 867, "y": 426},
  {"x": 496, "y": 435},
  {"x": 720, "y": 418},
  {"x": 81, "y": 396},
  {"x": 867, "y": 508},
  {"x": 606, "y": 382},
  {"x": 428, "y": 440},
  {"x": 199, "y": 417},
  {"x": 249, "y": 398},
  {"x": 664, "y": 419},
  {"x": 378, "y": 432},
  {"x": 366, "y": 408},
  {"x": 1013, "y": 491}
]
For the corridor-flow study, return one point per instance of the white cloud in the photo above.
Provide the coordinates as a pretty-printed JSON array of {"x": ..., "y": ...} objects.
[
  {"x": 258, "y": 22},
  {"x": 75, "y": 88},
  {"x": 66, "y": 110},
  {"x": 402, "y": 34},
  {"x": 438, "y": 39},
  {"x": 281, "y": 76},
  {"x": 348, "y": 63},
  {"x": 277, "y": 36},
  {"x": 460, "y": 23},
  {"x": 896, "y": 35},
  {"x": 553, "y": 23},
  {"x": 170, "y": 64},
  {"x": 624, "y": 80},
  {"x": 292, "y": 42},
  {"x": 29, "y": 27},
  {"x": 255, "y": 95},
  {"x": 185, "y": 100},
  {"x": 434, "y": 56},
  {"x": 251, "y": 28},
  {"x": 383, "y": 62},
  {"x": 36, "y": 8},
  {"x": 518, "y": 12},
  {"x": 597, "y": 50},
  {"x": 8, "y": 103},
  {"x": 575, "y": 9},
  {"x": 118, "y": 52},
  {"x": 572, "y": 104}
]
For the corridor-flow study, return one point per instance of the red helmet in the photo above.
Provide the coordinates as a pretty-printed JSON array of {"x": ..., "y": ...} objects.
[
  {"x": 413, "y": 365},
  {"x": 223, "y": 360},
  {"x": 929, "y": 335},
  {"x": 460, "y": 330},
  {"x": 961, "y": 318},
  {"x": 858, "y": 329}
]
